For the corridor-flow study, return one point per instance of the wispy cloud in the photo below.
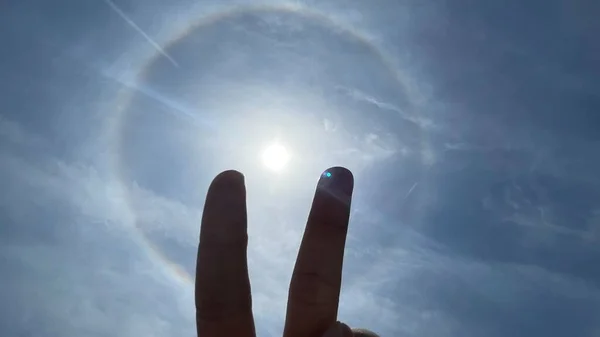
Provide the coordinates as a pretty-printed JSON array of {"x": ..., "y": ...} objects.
[
  {"x": 102, "y": 222},
  {"x": 13, "y": 133},
  {"x": 100, "y": 275},
  {"x": 71, "y": 254},
  {"x": 87, "y": 252},
  {"x": 359, "y": 95}
]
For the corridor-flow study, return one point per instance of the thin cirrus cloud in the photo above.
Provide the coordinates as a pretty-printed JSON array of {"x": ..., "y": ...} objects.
[
  {"x": 91, "y": 280},
  {"x": 475, "y": 210}
]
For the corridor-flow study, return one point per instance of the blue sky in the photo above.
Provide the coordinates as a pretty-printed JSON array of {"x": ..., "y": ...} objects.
[{"x": 472, "y": 129}]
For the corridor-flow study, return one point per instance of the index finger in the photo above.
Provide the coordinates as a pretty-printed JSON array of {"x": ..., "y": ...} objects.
[
  {"x": 223, "y": 301},
  {"x": 315, "y": 287}
]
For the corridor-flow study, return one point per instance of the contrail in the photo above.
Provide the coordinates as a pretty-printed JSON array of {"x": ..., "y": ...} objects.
[
  {"x": 411, "y": 190},
  {"x": 133, "y": 25},
  {"x": 174, "y": 108}
]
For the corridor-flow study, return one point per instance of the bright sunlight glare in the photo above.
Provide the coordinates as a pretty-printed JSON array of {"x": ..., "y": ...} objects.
[{"x": 275, "y": 157}]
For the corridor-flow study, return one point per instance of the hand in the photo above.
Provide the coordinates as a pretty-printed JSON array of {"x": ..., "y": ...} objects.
[{"x": 223, "y": 299}]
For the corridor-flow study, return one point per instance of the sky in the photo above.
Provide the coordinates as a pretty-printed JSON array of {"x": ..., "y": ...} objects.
[{"x": 472, "y": 129}]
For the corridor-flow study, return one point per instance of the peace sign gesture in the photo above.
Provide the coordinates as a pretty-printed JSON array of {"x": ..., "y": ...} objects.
[{"x": 223, "y": 299}]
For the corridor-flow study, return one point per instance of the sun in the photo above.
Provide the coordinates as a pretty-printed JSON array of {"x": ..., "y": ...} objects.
[{"x": 275, "y": 157}]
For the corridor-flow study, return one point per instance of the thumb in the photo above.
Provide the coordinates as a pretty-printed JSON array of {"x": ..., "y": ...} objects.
[{"x": 338, "y": 330}]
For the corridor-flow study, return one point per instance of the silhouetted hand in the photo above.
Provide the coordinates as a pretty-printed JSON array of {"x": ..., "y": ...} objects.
[{"x": 223, "y": 299}]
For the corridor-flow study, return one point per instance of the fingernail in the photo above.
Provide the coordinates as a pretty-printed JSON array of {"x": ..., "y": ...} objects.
[{"x": 337, "y": 180}]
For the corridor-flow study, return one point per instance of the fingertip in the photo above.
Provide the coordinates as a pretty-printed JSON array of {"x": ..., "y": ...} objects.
[
  {"x": 338, "y": 174},
  {"x": 229, "y": 177},
  {"x": 338, "y": 180}
]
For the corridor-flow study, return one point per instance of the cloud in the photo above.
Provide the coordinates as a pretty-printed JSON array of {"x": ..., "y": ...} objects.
[
  {"x": 93, "y": 274},
  {"x": 485, "y": 226},
  {"x": 405, "y": 114},
  {"x": 71, "y": 262},
  {"x": 106, "y": 279},
  {"x": 15, "y": 135}
]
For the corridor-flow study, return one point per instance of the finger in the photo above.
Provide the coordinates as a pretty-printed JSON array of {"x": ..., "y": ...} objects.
[
  {"x": 223, "y": 301},
  {"x": 315, "y": 287}
]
